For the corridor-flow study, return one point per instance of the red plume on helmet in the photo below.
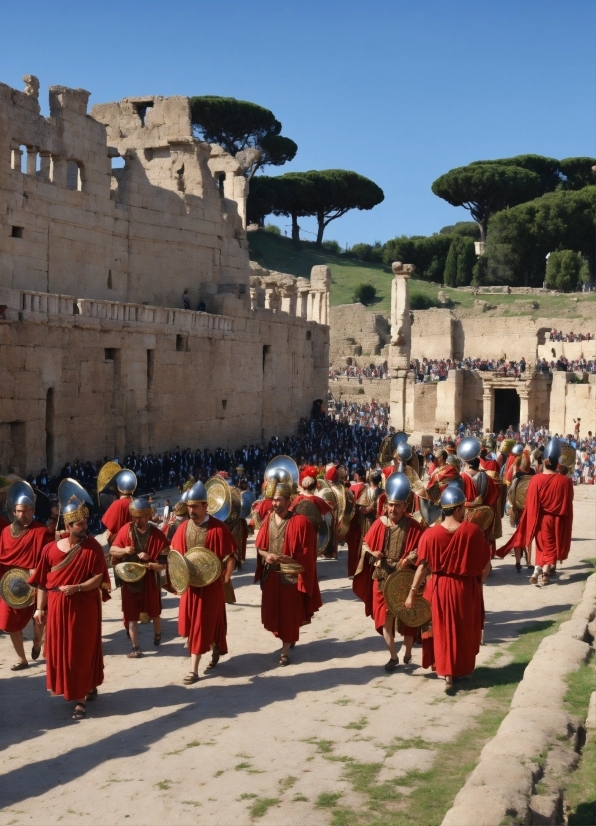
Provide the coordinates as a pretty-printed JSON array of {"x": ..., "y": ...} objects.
[
  {"x": 308, "y": 472},
  {"x": 331, "y": 474}
]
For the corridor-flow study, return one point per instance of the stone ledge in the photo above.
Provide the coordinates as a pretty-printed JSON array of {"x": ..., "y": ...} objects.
[{"x": 501, "y": 785}]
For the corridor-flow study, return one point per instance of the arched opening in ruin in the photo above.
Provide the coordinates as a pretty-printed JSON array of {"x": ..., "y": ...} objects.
[
  {"x": 507, "y": 406},
  {"x": 349, "y": 362},
  {"x": 221, "y": 180},
  {"x": 74, "y": 175}
]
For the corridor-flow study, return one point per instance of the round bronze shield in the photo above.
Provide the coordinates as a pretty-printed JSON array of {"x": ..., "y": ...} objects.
[
  {"x": 323, "y": 536},
  {"x": 481, "y": 515},
  {"x": 568, "y": 457},
  {"x": 397, "y": 588},
  {"x": 130, "y": 571},
  {"x": 310, "y": 510},
  {"x": 520, "y": 492},
  {"x": 15, "y": 590},
  {"x": 418, "y": 614},
  {"x": 219, "y": 498},
  {"x": 178, "y": 571},
  {"x": 204, "y": 567}
]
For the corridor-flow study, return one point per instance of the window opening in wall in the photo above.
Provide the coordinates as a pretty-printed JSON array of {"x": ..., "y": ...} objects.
[
  {"x": 224, "y": 404},
  {"x": 266, "y": 351},
  {"x": 110, "y": 353},
  {"x": 141, "y": 109},
  {"x": 150, "y": 369},
  {"x": 16, "y": 232},
  {"x": 221, "y": 178},
  {"x": 23, "y": 151},
  {"x": 308, "y": 335},
  {"x": 74, "y": 175},
  {"x": 180, "y": 344},
  {"x": 118, "y": 162},
  {"x": 110, "y": 282}
]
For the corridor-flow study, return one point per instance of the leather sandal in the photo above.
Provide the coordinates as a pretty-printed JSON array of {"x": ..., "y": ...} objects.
[
  {"x": 407, "y": 659},
  {"x": 215, "y": 655},
  {"x": 391, "y": 665},
  {"x": 284, "y": 659},
  {"x": 92, "y": 695},
  {"x": 191, "y": 678},
  {"x": 80, "y": 711},
  {"x": 157, "y": 639},
  {"x": 135, "y": 653},
  {"x": 19, "y": 666},
  {"x": 35, "y": 652}
]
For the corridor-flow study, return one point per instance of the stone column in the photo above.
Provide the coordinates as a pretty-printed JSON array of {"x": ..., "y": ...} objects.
[
  {"x": 400, "y": 343},
  {"x": 524, "y": 404},
  {"x": 16, "y": 157},
  {"x": 320, "y": 283},
  {"x": 488, "y": 405},
  {"x": 44, "y": 168},
  {"x": 31, "y": 160}
]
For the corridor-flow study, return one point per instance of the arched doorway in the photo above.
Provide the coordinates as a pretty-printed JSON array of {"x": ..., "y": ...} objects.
[{"x": 506, "y": 409}]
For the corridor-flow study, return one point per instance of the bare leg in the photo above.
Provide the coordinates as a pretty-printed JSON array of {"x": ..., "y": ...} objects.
[
  {"x": 518, "y": 556},
  {"x": 195, "y": 659},
  {"x": 408, "y": 643},
  {"x": 285, "y": 649},
  {"x": 389, "y": 635},
  {"x": 157, "y": 626},
  {"x": 16, "y": 637},
  {"x": 133, "y": 629}
]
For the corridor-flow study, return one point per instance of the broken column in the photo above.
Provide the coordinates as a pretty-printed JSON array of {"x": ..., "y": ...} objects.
[{"x": 400, "y": 343}]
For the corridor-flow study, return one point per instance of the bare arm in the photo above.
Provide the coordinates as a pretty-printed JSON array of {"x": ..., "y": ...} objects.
[{"x": 419, "y": 577}]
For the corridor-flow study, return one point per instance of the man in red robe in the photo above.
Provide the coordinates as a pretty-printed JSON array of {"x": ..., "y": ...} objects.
[
  {"x": 118, "y": 513},
  {"x": 289, "y": 599},
  {"x": 547, "y": 517},
  {"x": 72, "y": 579},
  {"x": 21, "y": 545},
  {"x": 141, "y": 542},
  {"x": 458, "y": 557},
  {"x": 202, "y": 613},
  {"x": 362, "y": 519},
  {"x": 388, "y": 546},
  {"x": 442, "y": 476}
]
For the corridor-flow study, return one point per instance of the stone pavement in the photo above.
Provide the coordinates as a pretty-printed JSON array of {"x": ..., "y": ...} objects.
[{"x": 155, "y": 751}]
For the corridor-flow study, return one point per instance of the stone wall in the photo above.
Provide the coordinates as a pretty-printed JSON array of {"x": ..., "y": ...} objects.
[
  {"x": 569, "y": 401},
  {"x": 160, "y": 224},
  {"x": 90, "y": 378},
  {"x": 97, "y": 356},
  {"x": 361, "y": 391},
  {"x": 355, "y": 332},
  {"x": 572, "y": 350},
  {"x": 432, "y": 334}
]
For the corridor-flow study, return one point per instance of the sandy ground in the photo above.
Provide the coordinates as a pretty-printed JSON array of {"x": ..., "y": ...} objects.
[{"x": 155, "y": 751}]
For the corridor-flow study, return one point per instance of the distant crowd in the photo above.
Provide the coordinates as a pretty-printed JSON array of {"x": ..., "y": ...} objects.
[
  {"x": 429, "y": 370},
  {"x": 380, "y": 371},
  {"x": 557, "y": 335}
]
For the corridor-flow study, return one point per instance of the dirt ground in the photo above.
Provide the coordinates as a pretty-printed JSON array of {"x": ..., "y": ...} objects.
[{"x": 154, "y": 751}]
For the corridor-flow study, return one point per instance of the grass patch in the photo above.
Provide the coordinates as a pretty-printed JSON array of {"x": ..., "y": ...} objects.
[
  {"x": 262, "y": 805},
  {"x": 433, "y": 791},
  {"x": 247, "y": 796},
  {"x": 343, "y": 702},
  {"x": 415, "y": 743},
  {"x": 278, "y": 253},
  {"x": 242, "y": 766},
  {"x": 287, "y": 783},
  {"x": 358, "y": 725},
  {"x": 164, "y": 785},
  {"x": 580, "y": 785},
  {"x": 191, "y": 803},
  {"x": 327, "y": 800}
]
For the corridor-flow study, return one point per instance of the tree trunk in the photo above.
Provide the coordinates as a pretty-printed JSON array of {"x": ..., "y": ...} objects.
[
  {"x": 482, "y": 226},
  {"x": 321, "y": 229},
  {"x": 295, "y": 230}
]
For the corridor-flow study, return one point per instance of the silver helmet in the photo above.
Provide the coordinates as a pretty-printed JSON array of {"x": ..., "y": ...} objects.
[
  {"x": 469, "y": 448},
  {"x": 248, "y": 499},
  {"x": 397, "y": 487},
  {"x": 126, "y": 481},
  {"x": 553, "y": 450},
  {"x": 452, "y": 496},
  {"x": 404, "y": 451},
  {"x": 141, "y": 507},
  {"x": 73, "y": 500},
  {"x": 19, "y": 493},
  {"x": 196, "y": 494},
  {"x": 516, "y": 450}
]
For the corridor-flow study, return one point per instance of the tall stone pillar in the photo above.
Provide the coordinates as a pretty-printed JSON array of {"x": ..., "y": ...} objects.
[
  {"x": 524, "y": 404},
  {"x": 488, "y": 407},
  {"x": 320, "y": 283},
  {"x": 400, "y": 343}
]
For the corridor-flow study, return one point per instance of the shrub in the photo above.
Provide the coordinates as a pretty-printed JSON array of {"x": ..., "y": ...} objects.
[
  {"x": 563, "y": 270},
  {"x": 273, "y": 229},
  {"x": 365, "y": 294}
]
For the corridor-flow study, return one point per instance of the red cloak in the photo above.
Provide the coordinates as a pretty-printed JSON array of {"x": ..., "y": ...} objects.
[
  {"x": 117, "y": 515},
  {"x": 547, "y": 518},
  {"x": 454, "y": 590},
  {"x": 74, "y": 658},
  {"x": 490, "y": 464},
  {"x": 23, "y": 552},
  {"x": 324, "y": 507},
  {"x": 354, "y": 535},
  {"x": 148, "y": 599},
  {"x": 202, "y": 613},
  {"x": 285, "y": 608},
  {"x": 367, "y": 588},
  {"x": 442, "y": 476}
]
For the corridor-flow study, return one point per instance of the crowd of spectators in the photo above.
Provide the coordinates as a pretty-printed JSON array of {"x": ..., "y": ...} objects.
[
  {"x": 565, "y": 365},
  {"x": 557, "y": 335},
  {"x": 429, "y": 370},
  {"x": 380, "y": 371}
]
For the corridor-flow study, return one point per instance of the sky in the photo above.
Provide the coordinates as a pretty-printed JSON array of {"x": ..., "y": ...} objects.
[{"x": 397, "y": 91}]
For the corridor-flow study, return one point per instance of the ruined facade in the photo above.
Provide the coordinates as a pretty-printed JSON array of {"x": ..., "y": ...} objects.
[{"x": 110, "y": 221}]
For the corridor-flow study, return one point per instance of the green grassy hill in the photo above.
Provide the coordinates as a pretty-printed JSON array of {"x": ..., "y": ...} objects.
[{"x": 278, "y": 253}]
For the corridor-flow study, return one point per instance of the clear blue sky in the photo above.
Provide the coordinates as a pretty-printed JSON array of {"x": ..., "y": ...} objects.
[{"x": 398, "y": 91}]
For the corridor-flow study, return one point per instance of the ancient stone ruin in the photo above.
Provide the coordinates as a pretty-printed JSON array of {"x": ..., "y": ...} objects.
[{"x": 112, "y": 223}]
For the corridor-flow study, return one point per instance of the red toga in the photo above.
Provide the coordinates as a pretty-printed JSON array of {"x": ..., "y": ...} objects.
[
  {"x": 354, "y": 535},
  {"x": 202, "y": 613},
  {"x": 22, "y": 552},
  {"x": 147, "y": 599},
  {"x": 324, "y": 507},
  {"x": 261, "y": 509},
  {"x": 74, "y": 658},
  {"x": 490, "y": 464},
  {"x": 367, "y": 588},
  {"x": 286, "y": 607},
  {"x": 547, "y": 518},
  {"x": 117, "y": 515},
  {"x": 454, "y": 590}
]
